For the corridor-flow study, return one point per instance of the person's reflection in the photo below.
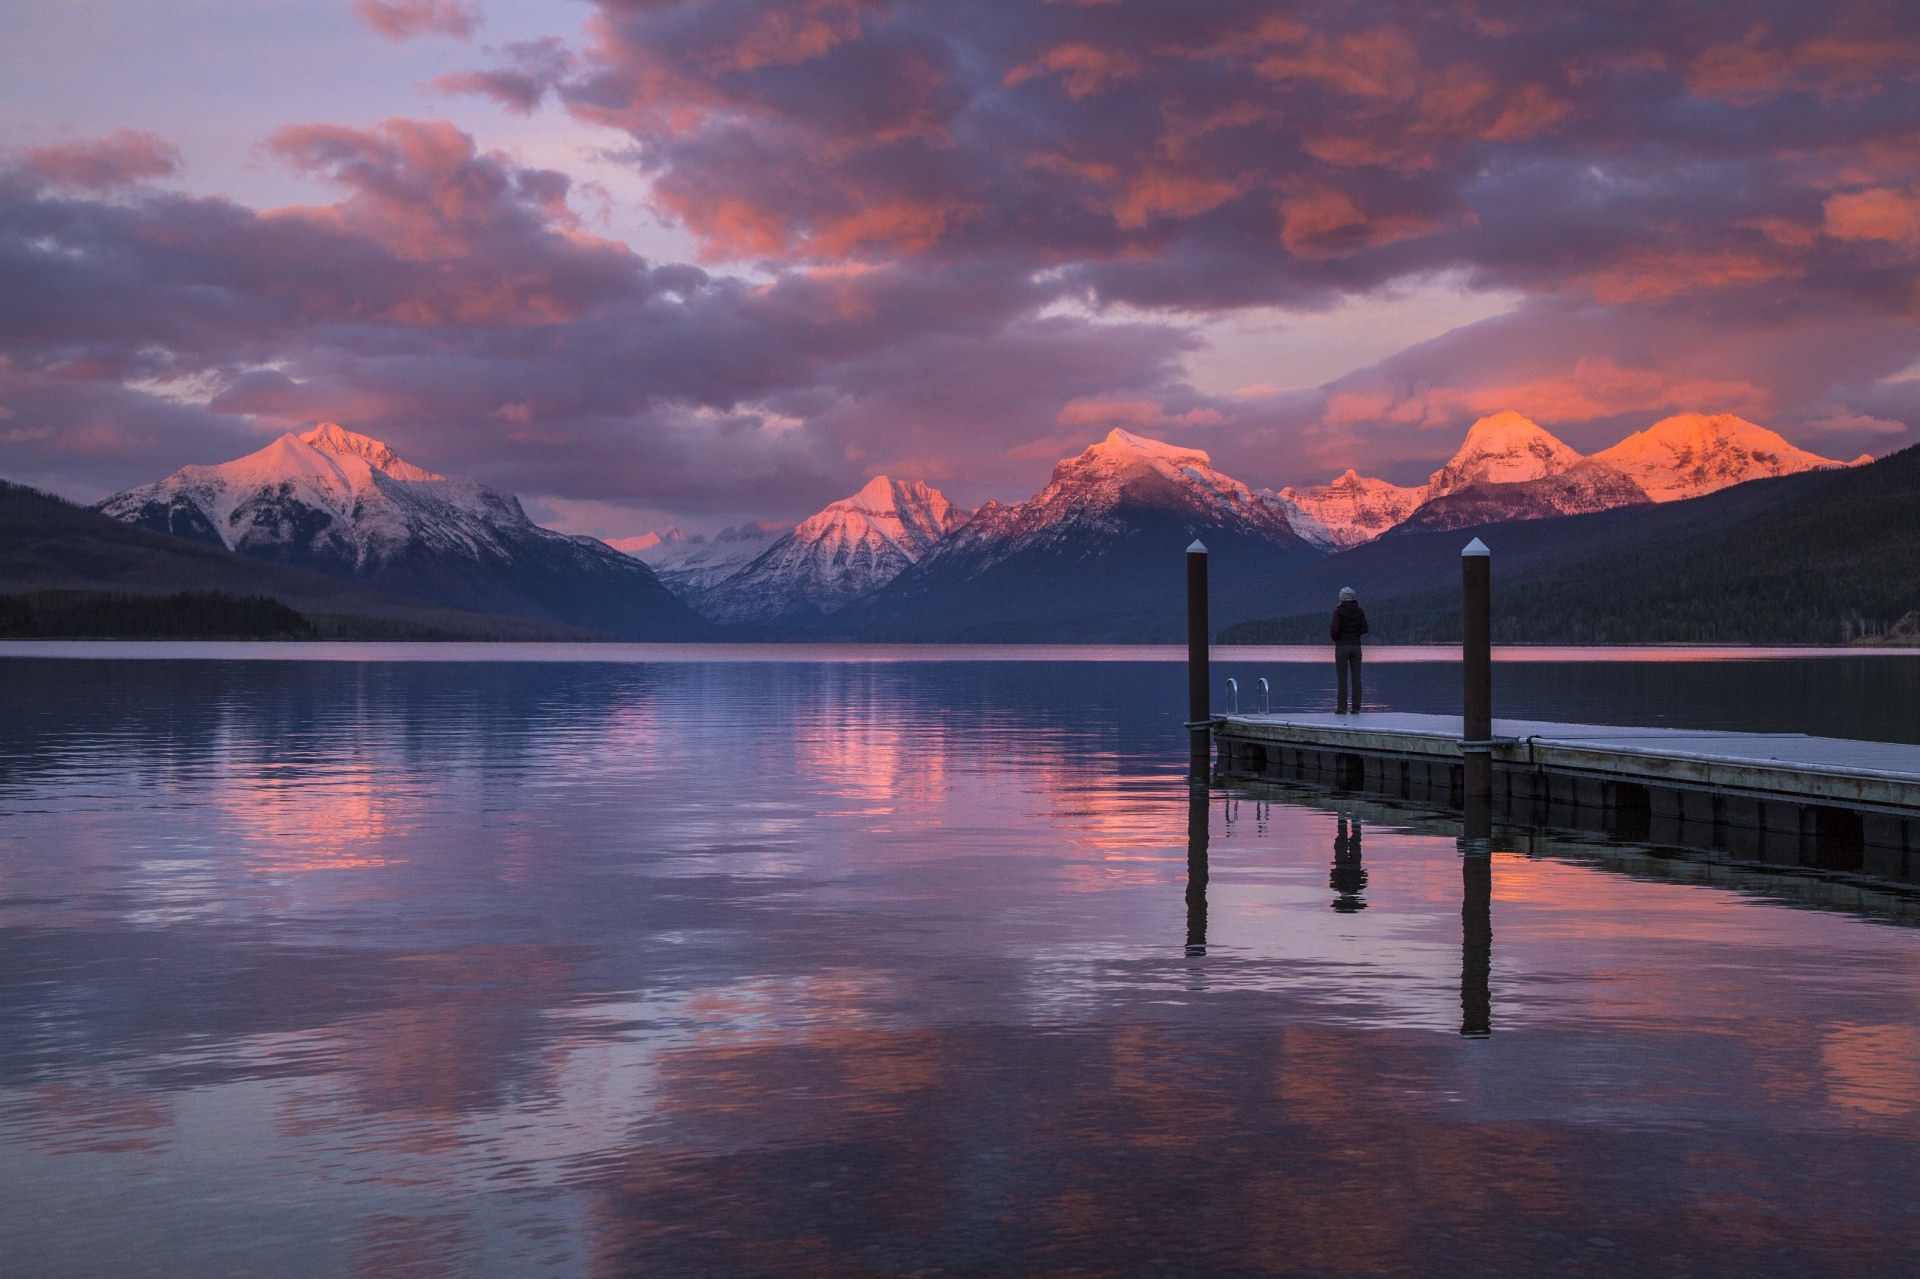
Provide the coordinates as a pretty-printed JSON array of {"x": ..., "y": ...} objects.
[
  {"x": 1198, "y": 803},
  {"x": 1349, "y": 875},
  {"x": 1476, "y": 944}
]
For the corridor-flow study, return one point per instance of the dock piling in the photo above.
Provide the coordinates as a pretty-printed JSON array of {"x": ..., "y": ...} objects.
[
  {"x": 1476, "y": 665},
  {"x": 1199, "y": 677}
]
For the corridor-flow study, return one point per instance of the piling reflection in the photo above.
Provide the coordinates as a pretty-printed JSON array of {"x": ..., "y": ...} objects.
[
  {"x": 1198, "y": 805},
  {"x": 1476, "y": 916},
  {"x": 1349, "y": 877},
  {"x": 1476, "y": 946}
]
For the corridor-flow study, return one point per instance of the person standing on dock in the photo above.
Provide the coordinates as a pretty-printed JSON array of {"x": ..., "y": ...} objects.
[{"x": 1349, "y": 626}]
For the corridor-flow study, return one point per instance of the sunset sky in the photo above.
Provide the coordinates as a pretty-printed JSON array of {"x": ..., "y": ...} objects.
[{"x": 640, "y": 260}]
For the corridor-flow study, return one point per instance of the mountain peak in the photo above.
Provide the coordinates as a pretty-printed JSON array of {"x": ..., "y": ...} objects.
[
  {"x": 906, "y": 513},
  {"x": 1124, "y": 446},
  {"x": 1691, "y": 454},
  {"x": 1503, "y": 448},
  {"x": 330, "y": 437},
  {"x": 1355, "y": 508},
  {"x": 879, "y": 495},
  {"x": 850, "y": 548}
]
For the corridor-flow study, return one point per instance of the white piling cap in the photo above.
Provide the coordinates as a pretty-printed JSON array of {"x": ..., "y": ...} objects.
[
  {"x": 1475, "y": 547},
  {"x": 1198, "y": 547}
]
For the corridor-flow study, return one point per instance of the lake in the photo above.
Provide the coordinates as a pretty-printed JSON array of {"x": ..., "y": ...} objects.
[{"x": 415, "y": 961}]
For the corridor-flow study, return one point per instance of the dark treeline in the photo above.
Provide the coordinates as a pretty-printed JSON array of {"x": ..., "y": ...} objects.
[{"x": 185, "y": 615}]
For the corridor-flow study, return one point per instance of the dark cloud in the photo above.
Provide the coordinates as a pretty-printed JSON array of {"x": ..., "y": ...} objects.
[
  {"x": 452, "y": 303},
  {"x": 1239, "y": 153},
  {"x": 979, "y": 230},
  {"x": 533, "y": 69}
]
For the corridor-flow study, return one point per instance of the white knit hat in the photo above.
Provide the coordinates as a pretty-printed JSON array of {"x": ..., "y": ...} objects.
[{"x": 1346, "y": 593}]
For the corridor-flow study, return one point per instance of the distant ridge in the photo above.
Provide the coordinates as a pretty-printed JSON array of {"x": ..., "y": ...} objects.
[{"x": 691, "y": 566}]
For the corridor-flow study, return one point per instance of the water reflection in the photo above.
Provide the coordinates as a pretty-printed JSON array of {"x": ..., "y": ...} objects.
[
  {"x": 1476, "y": 945},
  {"x": 1349, "y": 877},
  {"x": 1199, "y": 805},
  {"x": 766, "y": 969}
]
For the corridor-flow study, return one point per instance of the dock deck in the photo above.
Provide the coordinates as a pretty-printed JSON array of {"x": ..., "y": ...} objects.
[{"x": 1684, "y": 786}]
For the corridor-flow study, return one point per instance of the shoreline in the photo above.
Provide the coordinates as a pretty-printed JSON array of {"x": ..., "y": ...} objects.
[{"x": 853, "y": 653}]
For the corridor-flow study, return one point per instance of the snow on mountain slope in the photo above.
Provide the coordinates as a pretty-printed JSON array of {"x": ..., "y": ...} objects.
[
  {"x": 692, "y": 566},
  {"x": 1691, "y": 454},
  {"x": 347, "y": 505},
  {"x": 851, "y": 549},
  {"x": 1502, "y": 448},
  {"x": 1355, "y": 508},
  {"x": 1586, "y": 486}
]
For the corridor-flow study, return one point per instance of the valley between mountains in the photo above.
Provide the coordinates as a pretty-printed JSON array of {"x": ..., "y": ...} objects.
[{"x": 1096, "y": 555}]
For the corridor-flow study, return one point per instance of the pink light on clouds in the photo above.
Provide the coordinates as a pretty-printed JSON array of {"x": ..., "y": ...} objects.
[
  {"x": 956, "y": 237},
  {"x": 122, "y": 158},
  {"x": 404, "y": 19}
]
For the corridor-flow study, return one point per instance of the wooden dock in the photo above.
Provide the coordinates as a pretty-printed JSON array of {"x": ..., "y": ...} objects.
[{"x": 1772, "y": 797}]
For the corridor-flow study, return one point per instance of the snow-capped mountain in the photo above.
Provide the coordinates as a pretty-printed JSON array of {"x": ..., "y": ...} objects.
[
  {"x": 1096, "y": 554},
  {"x": 1355, "y": 508},
  {"x": 1502, "y": 448},
  {"x": 1692, "y": 454},
  {"x": 692, "y": 566},
  {"x": 851, "y": 549},
  {"x": 1088, "y": 493},
  {"x": 347, "y": 505}
]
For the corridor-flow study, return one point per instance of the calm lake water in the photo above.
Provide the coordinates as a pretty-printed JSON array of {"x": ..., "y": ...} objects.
[{"x": 845, "y": 967}]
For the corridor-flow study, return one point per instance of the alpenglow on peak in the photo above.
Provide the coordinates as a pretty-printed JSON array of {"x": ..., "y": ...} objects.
[{"x": 330, "y": 437}]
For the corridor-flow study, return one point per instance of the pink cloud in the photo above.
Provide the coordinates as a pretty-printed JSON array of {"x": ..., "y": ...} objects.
[
  {"x": 122, "y": 158},
  {"x": 404, "y": 19},
  {"x": 1877, "y": 214}
]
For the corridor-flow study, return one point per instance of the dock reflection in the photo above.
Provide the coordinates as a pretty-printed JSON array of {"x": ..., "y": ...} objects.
[{"x": 1348, "y": 879}]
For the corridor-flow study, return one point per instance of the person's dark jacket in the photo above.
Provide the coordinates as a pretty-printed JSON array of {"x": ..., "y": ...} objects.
[{"x": 1349, "y": 623}]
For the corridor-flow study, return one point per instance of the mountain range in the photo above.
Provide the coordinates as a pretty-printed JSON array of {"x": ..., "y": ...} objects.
[
  {"x": 1095, "y": 555},
  {"x": 898, "y": 561},
  {"x": 1826, "y": 556},
  {"x": 1511, "y": 468}
]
